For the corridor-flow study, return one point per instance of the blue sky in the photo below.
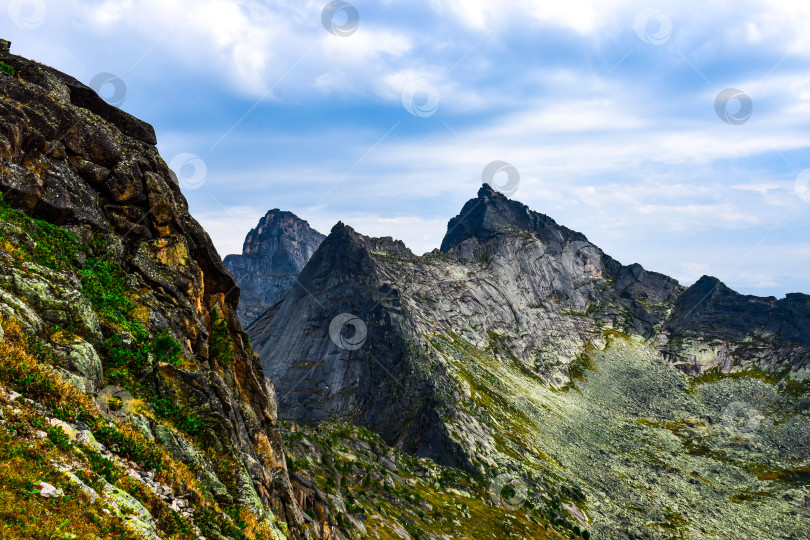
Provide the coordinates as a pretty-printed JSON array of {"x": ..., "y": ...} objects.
[{"x": 607, "y": 111}]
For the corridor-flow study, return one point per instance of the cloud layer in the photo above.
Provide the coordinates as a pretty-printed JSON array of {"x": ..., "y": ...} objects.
[{"x": 609, "y": 112}]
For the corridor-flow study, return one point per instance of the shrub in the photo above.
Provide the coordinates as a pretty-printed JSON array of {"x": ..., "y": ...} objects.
[
  {"x": 220, "y": 338},
  {"x": 59, "y": 438},
  {"x": 166, "y": 349}
]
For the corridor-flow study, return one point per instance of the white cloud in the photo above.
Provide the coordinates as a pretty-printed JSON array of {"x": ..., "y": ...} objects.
[
  {"x": 228, "y": 226},
  {"x": 692, "y": 271},
  {"x": 616, "y": 149}
]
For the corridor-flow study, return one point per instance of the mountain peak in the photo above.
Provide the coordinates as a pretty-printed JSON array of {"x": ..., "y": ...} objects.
[
  {"x": 486, "y": 191},
  {"x": 491, "y": 213},
  {"x": 342, "y": 233},
  {"x": 340, "y": 228},
  {"x": 277, "y": 226},
  {"x": 273, "y": 254}
]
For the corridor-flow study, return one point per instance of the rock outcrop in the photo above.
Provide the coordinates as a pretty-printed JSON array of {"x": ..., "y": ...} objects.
[
  {"x": 273, "y": 255},
  {"x": 102, "y": 265}
]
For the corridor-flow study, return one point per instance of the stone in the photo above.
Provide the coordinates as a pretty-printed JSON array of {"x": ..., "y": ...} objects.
[
  {"x": 184, "y": 451},
  {"x": 86, "y": 438},
  {"x": 131, "y": 511},
  {"x": 388, "y": 464},
  {"x": 90, "y": 492},
  {"x": 69, "y": 430},
  {"x": 85, "y": 361},
  {"x": 49, "y": 491}
]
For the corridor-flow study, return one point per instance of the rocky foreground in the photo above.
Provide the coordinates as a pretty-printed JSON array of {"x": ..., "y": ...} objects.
[{"x": 132, "y": 406}]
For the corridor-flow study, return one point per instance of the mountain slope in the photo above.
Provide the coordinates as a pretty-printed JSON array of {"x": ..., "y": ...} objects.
[
  {"x": 521, "y": 349},
  {"x": 111, "y": 293},
  {"x": 273, "y": 255}
]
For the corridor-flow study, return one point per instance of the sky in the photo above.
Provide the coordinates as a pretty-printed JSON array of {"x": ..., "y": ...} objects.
[{"x": 672, "y": 134}]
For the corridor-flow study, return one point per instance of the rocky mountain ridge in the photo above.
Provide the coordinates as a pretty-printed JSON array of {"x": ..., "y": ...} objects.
[
  {"x": 518, "y": 383},
  {"x": 457, "y": 355}
]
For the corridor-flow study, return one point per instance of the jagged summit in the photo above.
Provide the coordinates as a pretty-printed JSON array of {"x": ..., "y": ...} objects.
[
  {"x": 492, "y": 213},
  {"x": 273, "y": 254},
  {"x": 383, "y": 244},
  {"x": 277, "y": 235}
]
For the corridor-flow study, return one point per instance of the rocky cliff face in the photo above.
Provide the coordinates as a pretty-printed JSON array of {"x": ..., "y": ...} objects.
[
  {"x": 108, "y": 284},
  {"x": 521, "y": 349},
  {"x": 273, "y": 255}
]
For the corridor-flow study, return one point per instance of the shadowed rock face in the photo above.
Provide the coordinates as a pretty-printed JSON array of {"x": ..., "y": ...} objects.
[
  {"x": 72, "y": 160},
  {"x": 273, "y": 255},
  {"x": 378, "y": 385},
  {"x": 712, "y": 310}
]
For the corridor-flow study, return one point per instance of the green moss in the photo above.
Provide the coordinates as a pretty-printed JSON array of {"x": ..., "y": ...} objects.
[
  {"x": 221, "y": 342},
  {"x": 5, "y": 68},
  {"x": 50, "y": 246},
  {"x": 799, "y": 476},
  {"x": 105, "y": 286},
  {"x": 580, "y": 366},
  {"x": 693, "y": 443}
]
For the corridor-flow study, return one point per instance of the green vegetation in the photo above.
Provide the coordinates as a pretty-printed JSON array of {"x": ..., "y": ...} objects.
[
  {"x": 423, "y": 498},
  {"x": 26, "y": 515},
  {"x": 780, "y": 379},
  {"x": 50, "y": 246},
  {"x": 23, "y": 464},
  {"x": 104, "y": 284},
  {"x": 129, "y": 365},
  {"x": 130, "y": 357},
  {"x": 580, "y": 366},
  {"x": 5, "y": 68},
  {"x": 221, "y": 343},
  {"x": 166, "y": 349}
]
